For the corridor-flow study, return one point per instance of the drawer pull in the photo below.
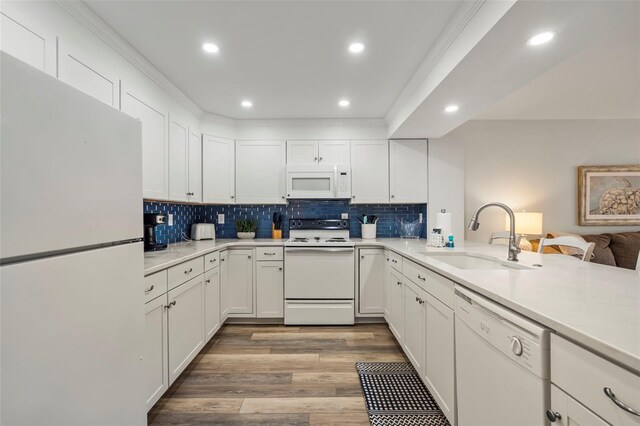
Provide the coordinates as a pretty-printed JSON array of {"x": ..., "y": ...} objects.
[
  {"x": 620, "y": 404},
  {"x": 207, "y": 281},
  {"x": 212, "y": 260},
  {"x": 421, "y": 277},
  {"x": 280, "y": 268},
  {"x": 269, "y": 254},
  {"x": 553, "y": 416},
  {"x": 149, "y": 289},
  {"x": 189, "y": 271},
  {"x": 394, "y": 261},
  {"x": 399, "y": 283}
]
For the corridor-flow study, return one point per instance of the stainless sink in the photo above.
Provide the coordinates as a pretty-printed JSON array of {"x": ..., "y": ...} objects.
[{"x": 473, "y": 261}]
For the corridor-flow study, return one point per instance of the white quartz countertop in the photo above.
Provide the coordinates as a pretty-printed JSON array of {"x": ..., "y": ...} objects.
[{"x": 595, "y": 305}]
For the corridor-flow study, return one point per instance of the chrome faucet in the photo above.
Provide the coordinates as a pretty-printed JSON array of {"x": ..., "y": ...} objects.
[{"x": 513, "y": 242}]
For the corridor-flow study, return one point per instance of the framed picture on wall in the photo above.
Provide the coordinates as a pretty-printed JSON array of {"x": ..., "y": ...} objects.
[{"x": 609, "y": 195}]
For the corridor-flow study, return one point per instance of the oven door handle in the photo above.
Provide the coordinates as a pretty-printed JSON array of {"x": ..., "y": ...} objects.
[{"x": 320, "y": 249}]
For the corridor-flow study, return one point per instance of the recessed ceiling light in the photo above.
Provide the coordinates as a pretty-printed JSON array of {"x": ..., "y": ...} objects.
[
  {"x": 210, "y": 48},
  {"x": 246, "y": 104},
  {"x": 451, "y": 108},
  {"x": 343, "y": 103},
  {"x": 356, "y": 47},
  {"x": 541, "y": 38}
]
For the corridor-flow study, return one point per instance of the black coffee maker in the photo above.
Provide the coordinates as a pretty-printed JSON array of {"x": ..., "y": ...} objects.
[{"x": 151, "y": 220}]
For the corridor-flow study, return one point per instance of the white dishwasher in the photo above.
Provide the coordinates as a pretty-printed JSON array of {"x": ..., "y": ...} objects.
[{"x": 502, "y": 364}]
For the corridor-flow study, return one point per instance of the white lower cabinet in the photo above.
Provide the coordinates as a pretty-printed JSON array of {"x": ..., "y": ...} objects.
[
  {"x": 371, "y": 281},
  {"x": 396, "y": 305},
  {"x": 224, "y": 285},
  {"x": 156, "y": 347},
  {"x": 439, "y": 359},
  {"x": 241, "y": 283},
  {"x": 270, "y": 289},
  {"x": 387, "y": 286},
  {"x": 212, "y": 321},
  {"x": 186, "y": 324},
  {"x": 566, "y": 411},
  {"x": 414, "y": 314}
]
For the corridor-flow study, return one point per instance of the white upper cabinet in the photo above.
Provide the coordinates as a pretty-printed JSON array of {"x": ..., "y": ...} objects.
[
  {"x": 369, "y": 171},
  {"x": 194, "y": 166},
  {"x": 260, "y": 172},
  {"x": 218, "y": 170},
  {"x": 334, "y": 152},
  {"x": 408, "y": 175},
  {"x": 302, "y": 152},
  {"x": 27, "y": 40},
  {"x": 178, "y": 145},
  {"x": 318, "y": 152},
  {"x": 155, "y": 149},
  {"x": 88, "y": 73}
]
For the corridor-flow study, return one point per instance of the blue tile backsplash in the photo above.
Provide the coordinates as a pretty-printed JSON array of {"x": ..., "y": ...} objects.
[{"x": 184, "y": 215}]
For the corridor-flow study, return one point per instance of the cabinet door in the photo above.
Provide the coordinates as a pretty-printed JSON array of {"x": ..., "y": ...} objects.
[
  {"x": 156, "y": 350},
  {"x": 270, "y": 289},
  {"x": 414, "y": 336},
  {"x": 155, "y": 144},
  {"x": 388, "y": 282},
  {"x": 334, "y": 152},
  {"x": 195, "y": 166},
  {"x": 87, "y": 73},
  {"x": 260, "y": 172},
  {"x": 186, "y": 325},
  {"x": 439, "y": 355},
  {"x": 408, "y": 175},
  {"x": 27, "y": 40},
  {"x": 178, "y": 141},
  {"x": 371, "y": 281},
  {"x": 396, "y": 305},
  {"x": 370, "y": 171},
  {"x": 241, "y": 282},
  {"x": 211, "y": 303},
  {"x": 218, "y": 170},
  {"x": 224, "y": 285},
  {"x": 302, "y": 152},
  {"x": 571, "y": 412}
]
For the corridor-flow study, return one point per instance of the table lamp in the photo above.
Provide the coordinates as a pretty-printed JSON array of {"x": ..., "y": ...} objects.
[{"x": 527, "y": 223}]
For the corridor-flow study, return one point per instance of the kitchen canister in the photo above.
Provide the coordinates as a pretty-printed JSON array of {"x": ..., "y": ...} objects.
[{"x": 368, "y": 231}]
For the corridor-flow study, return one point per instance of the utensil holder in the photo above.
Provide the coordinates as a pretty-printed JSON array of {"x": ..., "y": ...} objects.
[
  {"x": 369, "y": 231},
  {"x": 276, "y": 234}
]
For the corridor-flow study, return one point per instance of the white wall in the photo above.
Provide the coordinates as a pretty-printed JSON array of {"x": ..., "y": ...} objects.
[
  {"x": 311, "y": 129},
  {"x": 532, "y": 165}
]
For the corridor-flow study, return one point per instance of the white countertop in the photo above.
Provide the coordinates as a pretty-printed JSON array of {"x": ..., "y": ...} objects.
[{"x": 595, "y": 305}]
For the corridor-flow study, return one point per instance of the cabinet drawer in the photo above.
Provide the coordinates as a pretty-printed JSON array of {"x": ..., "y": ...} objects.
[
  {"x": 584, "y": 375},
  {"x": 185, "y": 271},
  {"x": 155, "y": 285},
  {"x": 439, "y": 287},
  {"x": 211, "y": 260},
  {"x": 269, "y": 253},
  {"x": 395, "y": 260}
]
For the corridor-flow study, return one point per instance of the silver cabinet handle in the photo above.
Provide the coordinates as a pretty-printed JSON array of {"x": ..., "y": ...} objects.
[
  {"x": 393, "y": 196},
  {"x": 233, "y": 196},
  {"x": 269, "y": 254},
  {"x": 280, "y": 268},
  {"x": 283, "y": 197},
  {"x": 249, "y": 257},
  {"x": 173, "y": 303},
  {"x": 394, "y": 261},
  {"x": 207, "y": 281},
  {"x": 399, "y": 283},
  {"x": 149, "y": 289},
  {"x": 315, "y": 158},
  {"x": 421, "y": 302},
  {"x": 417, "y": 299},
  {"x": 222, "y": 260},
  {"x": 421, "y": 277},
  {"x": 361, "y": 257},
  {"x": 353, "y": 196},
  {"x": 212, "y": 260},
  {"x": 320, "y": 159},
  {"x": 553, "y": 416},
  {"x": 620, "y": 404},
  {"x": 170, "y": 305},
  {"x": 189, "y": 271}
]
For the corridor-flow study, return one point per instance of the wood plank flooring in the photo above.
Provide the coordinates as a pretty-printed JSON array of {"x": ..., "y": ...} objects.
[{"x": 277, "y": 375}]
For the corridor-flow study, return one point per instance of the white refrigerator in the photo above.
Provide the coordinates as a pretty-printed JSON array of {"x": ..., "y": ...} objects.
[{"x": 71, "y": 256}]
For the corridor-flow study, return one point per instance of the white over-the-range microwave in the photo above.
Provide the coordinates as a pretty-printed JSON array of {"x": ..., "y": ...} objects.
[{"x": 319, "y": 181}]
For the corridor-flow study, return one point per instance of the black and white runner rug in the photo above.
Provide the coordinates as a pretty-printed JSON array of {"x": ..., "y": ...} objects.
[{"x": 396, "y": 396}]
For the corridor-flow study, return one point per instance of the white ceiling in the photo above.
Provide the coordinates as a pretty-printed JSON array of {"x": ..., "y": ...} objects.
[
  {"x": 601, "y": 81},
  {"x": 289, "y": 58}
]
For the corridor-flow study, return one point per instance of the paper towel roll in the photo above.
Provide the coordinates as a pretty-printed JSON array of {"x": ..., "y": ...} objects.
[{"x": 443, "y": 221}]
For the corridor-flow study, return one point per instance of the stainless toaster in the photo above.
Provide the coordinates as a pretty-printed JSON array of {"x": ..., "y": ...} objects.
[{"x": 203, "y": 231}]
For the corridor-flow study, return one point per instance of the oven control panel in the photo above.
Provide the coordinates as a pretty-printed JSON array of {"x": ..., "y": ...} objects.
[{"x": 318, "y": 223}]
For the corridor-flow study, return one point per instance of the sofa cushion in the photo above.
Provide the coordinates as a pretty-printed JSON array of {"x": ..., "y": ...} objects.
[
  {"x": 602, "y": 252},
  {"x": 625, "y": 247}
]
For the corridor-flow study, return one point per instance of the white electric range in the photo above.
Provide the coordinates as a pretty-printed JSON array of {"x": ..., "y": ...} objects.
[{"x": 320, "y": 272}]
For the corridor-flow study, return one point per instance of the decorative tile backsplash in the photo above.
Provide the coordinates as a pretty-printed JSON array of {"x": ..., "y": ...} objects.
[{"x": 184, "y": 215}]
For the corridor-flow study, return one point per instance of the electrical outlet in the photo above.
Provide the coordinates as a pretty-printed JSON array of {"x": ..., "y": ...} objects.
[
  {"x": 345, "y": 216},
  {"x": 221, "y": 219},
  {"x": 170, "y": 219},
  {"x": 420, "y": 218}
]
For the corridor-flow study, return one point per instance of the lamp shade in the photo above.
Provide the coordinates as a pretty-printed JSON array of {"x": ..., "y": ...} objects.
[{"x": 527, "y": 223}]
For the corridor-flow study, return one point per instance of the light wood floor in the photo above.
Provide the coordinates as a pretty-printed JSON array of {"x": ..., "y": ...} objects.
[{"x": 277, "y": 375}]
